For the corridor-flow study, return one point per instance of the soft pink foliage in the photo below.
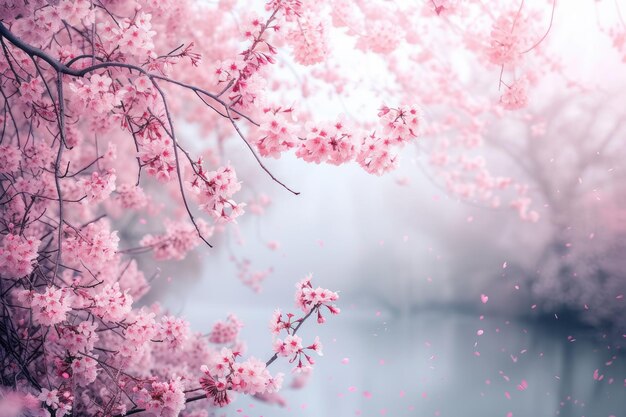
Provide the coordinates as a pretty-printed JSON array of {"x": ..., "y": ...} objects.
[
  {"x": 225, "y": 331},
  {"x": 515, "y": 95},
  {"x": 9, "y": 158},
  {"x": 224, "y": 373},
  {"x": 165, "y": 398},
  {"x": 275, "y": 133},
  {"x": 49, "y": 307},
  {"x": 85, "y": 118},
  {"x": 330, "y": 143},
  {"x": 508, "y": 38},
  {"x": 93, "y": 246},
  {"x": 98, "y": 187},
  {"x": 18, "y": 255},
  {"x": 214, "y": 191},
  {"x": 179, "y": 238},
  {"x": 94, "y": 171},
  {"x": 309, "y": 39}
]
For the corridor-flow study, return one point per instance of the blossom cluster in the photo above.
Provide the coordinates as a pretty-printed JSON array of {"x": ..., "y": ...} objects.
[
  {"x": 331, "y": 143},
  {"x": 49, "y": 308},
  {"x": 224, "y": 374},
  {"x": 18, "y": 255},
  {"x": 337, "y": 143},
  {"x": 163, "y": 398},
  {"x": 310, "y": 299},
  {"x": 179, "y": 239},
  {"x": 214, "y": 191},
  {"x": 224, "y": 332},
  {"x": 98, "y": 187},
  {"x": 309, "y": 40}
]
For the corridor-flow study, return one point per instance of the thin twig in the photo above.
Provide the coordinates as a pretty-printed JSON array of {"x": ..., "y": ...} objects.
[
  {"x": 172, "y": 135},
  {"x": 232, "y": 121}
]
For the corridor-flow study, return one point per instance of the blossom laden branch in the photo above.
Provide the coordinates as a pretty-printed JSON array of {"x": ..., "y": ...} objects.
[{"x": 65, "y": 69}]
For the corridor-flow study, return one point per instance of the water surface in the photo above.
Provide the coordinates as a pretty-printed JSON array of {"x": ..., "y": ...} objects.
[{"x": 434, "y": 363}]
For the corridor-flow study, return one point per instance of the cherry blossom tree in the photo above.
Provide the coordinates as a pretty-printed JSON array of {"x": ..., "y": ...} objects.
[
  {"x": 86, "y": 112},
  {"x": 570, "y": 152},
  {"x": 94, "y": 94}
]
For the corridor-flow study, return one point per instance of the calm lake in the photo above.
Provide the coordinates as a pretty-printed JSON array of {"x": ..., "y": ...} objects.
[{"x": 435, "y": 363}]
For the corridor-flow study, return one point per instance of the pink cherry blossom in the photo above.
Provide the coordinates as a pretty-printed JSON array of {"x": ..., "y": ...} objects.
[
  {"x": 288, "y": 347},
  {"x": 18, "y": 255},
  {"x": 98, "y": 187},
  {"x": 225, "y": 331},
  {"x": 50, "y": 307},
  {"x": 515, "y": 96},
  {"x": 9, "y": 158}
]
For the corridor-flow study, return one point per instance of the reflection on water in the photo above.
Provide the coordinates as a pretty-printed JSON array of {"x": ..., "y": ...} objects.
[{"x": 436, "y": 364}]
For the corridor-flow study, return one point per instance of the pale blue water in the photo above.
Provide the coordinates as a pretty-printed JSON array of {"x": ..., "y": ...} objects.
[{"x": 425, "y": 364}]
